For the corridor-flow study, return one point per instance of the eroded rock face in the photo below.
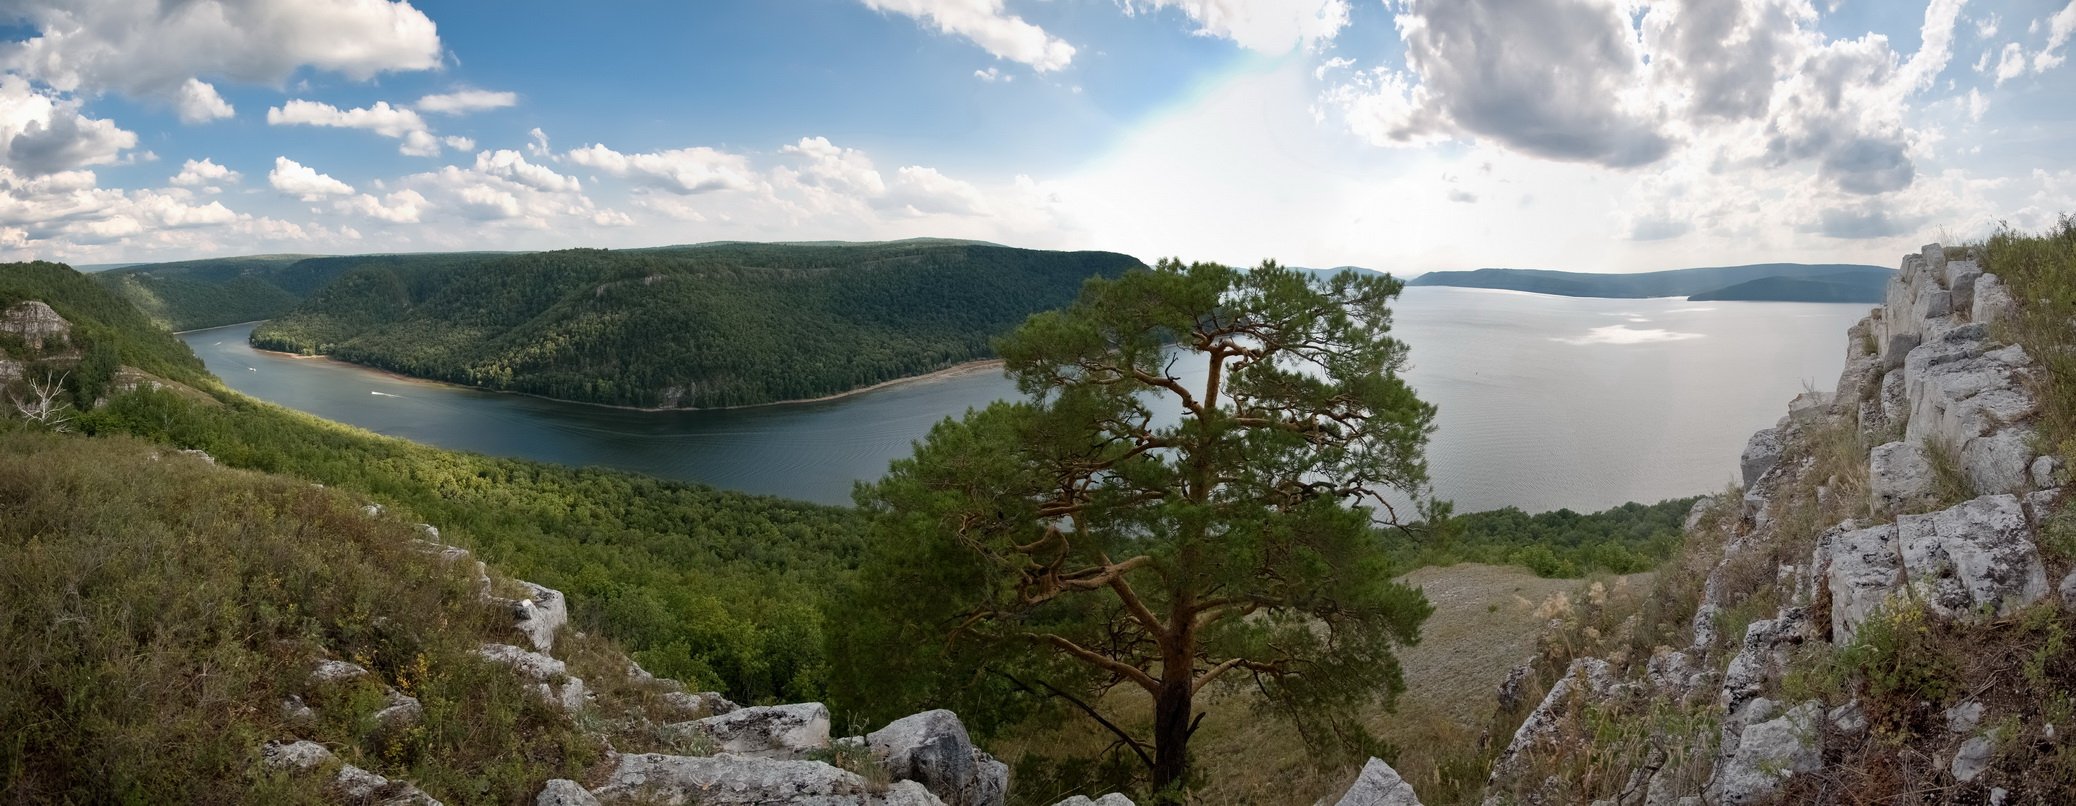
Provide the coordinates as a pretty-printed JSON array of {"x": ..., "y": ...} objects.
[
  {"x": 1379, "y": 785},
  {"x": 355, "y": 784},
  {"x": 1862, "y": 568},
  {"x": 543, "y": 612},
  {"x": 1976, "y": 557},
  {"x": 1585, "y": 677},
  {"x": 532, "y": 665},
  {"x": 1993, "y": 300},
  {"x": 737, "y": 781},
  {"x": 1899, "y": 474},
  {"x": 1761, "y": 454},
  {"x": 933, "y": 749},
  {"x": 1770, "y": 753},
  {"x": 1968, "y": 397},
  {"x": 771, "y": 731},
  {"x": 37, "y": 325},
  {"x": 1112, "y": 799}
]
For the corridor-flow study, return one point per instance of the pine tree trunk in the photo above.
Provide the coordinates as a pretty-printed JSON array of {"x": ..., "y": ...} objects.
[{"x": 1171, "y": 712}]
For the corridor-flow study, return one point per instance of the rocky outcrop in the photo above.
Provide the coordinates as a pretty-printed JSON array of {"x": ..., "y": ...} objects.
[
  {"x": 353, "y": 784},
  {"x": 1112, "y": 799},
  {"x": 1379, "y": 785},
  {"x": 654, "y": 778},
  {"x": 39, "y": 327},
  {"x": 1948, "y": 530},
  {"x": 932, "y": 748},
  {"x": 772, "y": 731}
]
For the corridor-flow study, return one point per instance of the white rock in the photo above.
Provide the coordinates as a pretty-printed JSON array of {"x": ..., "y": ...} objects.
[
  {"x": 2043, "y": 472},
  {"x": 1898, "y": 474},
  {"x": 1972, "y": 557},
  {"x": 1999, "y": 462},
  {"x": 335, "y": 671},
  {"x": 1863, "y": 569},
  {"x": 398, "y": 710},
  {"x": 1379, "y": 785},
  {"x": 1960, "y": 279},
  {"x": 564, "y": 792},
  {"x": 532, "y": 665},
  {"x": 1972, "y": 759},
  {"x": 741, "y": 781},
  {"x": 702, "y": 704},
  {"x": 1589, "y": 675},
  {"x": 294, "y": 709},
  {"x": 1964, "y": 717},
  {"x": 770, "y": 731},
  {"x": 1761, "y": 454},
  {"x": 1849, "y": 719},
  {"x": 36, "y": 324},
  {"x": 540, "y": 614},
  {"x": 356, "y": 784},
  {"x": 1993, "y": 301},
  {"x": 372, "y": 510},
  {"x": 1771, "y": 752},
  {"x": 933, "y": 749},
  {"x": 302, "y": 755},
  {"x": 1112, "y": 799},
  {"x": 198, "y": 454}
]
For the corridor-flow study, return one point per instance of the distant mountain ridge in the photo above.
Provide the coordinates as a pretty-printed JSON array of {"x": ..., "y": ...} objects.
[{"x": 1783, "y": 282}]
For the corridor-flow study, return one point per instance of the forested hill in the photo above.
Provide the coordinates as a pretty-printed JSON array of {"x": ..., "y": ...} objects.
[
  {"x": 1793, "y": 282},
  {"x": 710, "y": 325},
  {"x": 195, "y": 294}
]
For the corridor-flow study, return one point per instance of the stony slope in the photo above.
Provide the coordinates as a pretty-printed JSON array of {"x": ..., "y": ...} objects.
[{"x": 1872, "y": 618}]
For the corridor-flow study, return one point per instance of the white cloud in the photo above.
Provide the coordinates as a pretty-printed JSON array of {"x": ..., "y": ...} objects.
[
  {"x": 537, "y": 144},
  {"x": 683, "y": 170},
  {"x": 400, "y": 207},
  {"x": 382, "y": 119},
  {"x": 294, "y": 179},
  {"x": 511, "y": 165},
  {"x": 41, "y": 133},
  {"x": 198, "y": 102},
  {"x": 988, "y": 25},
  {"x": 1267, "y": 26},
  {"x": 2011, "y": 64},
  {"x": 918, "y": 190},
  {"x": 459, "y": 143},
  {"x": 419, "y": 144},
  {"x": 465, "y": 101},
  {"x": 2059, "y": 28},
  {"x": 152, "y": 47},
  {"x": 204, "y": 172},
  {"x": 993, "y": 74}
]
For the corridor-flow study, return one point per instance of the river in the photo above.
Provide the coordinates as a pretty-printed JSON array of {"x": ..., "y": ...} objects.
[{"x": 1544, "y": 402}]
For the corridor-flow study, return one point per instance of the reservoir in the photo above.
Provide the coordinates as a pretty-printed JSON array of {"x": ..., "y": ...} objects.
[{"x": 1544, "y": 402}]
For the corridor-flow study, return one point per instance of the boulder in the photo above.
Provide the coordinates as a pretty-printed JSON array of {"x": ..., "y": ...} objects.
[
  {"x": 2000, "y": 462},
  {"x": 1771, "y": 752},
  {"x": 704, "y": 704},
  {"x": 1761, "y": 454},
  {"x": 36, "y": 325},
  {"x": 1964, "y": 395},
  {"x": 933, "y": 749},
  {"x": 1585, "y": 676},
  {"x": 1379, "y": 785},
  {"x": 335, "y": 671},
  {"x": 399, "y": 710},
  {"x": 564, "y": 792},
  {"x": 770, "y": 731},
  {"x": 1975, "y": 557},
  {"x": 2045, "y": 472},
  {"x": 1899, "y": 474},
  {"x": 738, "y": 781},
  {"x": 540, "y": 614},
  {"x": 1963, "y": 718},
  {"x": 1960, "y": 279},
  {"x": 532, "y": 665},
  {"x": 1112, "y": 799},
  {"x": 1808, "y": 407}
]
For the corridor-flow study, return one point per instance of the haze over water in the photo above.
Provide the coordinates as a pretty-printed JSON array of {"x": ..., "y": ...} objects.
[{"x": 1544, "y": 403}]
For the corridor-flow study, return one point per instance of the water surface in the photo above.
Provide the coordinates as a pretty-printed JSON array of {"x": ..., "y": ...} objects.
[{"x": 1545, "y": 402}]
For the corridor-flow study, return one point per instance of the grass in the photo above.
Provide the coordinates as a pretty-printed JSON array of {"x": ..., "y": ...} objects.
[
  {"x": 1486, "y": 621},
  {"x": 2041, "y": 273},
  {"x": 159, "y": 609}
]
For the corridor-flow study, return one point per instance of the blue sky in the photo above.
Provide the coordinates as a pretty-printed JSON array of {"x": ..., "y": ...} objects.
[{"x": 1601, "y": 135}]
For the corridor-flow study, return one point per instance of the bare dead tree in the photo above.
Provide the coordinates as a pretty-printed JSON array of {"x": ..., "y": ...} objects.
[{"x": 42, "y": 404}]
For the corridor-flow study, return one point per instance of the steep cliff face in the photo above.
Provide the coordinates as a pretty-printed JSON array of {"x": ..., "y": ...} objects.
[{"x": 1873, "y": 614}]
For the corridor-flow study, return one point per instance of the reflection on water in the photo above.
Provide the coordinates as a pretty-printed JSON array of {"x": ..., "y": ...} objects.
[{"x": 1542, "y": 403}]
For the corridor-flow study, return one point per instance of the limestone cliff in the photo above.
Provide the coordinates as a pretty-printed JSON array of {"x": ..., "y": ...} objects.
[{"x": 1865, "y": 611}]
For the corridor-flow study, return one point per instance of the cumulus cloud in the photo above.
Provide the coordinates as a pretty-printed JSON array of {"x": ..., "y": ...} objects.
[
  {"x": 382, "y": 119},
  {"x": 400, "y": 207},
  {"x": 304, "y": 183},
  {"x": 41, "y": 133},
  {"x": 152, "y": 47},
  {"x": 1743, "y": 82},
  {"x": 1267, "y": 26},
  {"x": 465, "y": 101},
  {"x": 988, "y": 25},
  {"x": 198, "y": 102},
  {"x": 683, "y": 170},
  {"x": 511, "y": 165},
  {"x": 1553, "y": 78},
  {"x": 203, "y": 172}
]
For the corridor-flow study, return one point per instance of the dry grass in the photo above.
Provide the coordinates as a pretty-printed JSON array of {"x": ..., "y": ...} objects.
[{"x": 1487, "y": 620}]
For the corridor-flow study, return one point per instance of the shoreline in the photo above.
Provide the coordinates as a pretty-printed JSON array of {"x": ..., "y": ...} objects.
[{"x": 955, "y": 370}]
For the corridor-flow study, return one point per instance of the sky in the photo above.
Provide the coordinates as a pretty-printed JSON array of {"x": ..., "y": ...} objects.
[{"x": 1406, "y": 136}]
